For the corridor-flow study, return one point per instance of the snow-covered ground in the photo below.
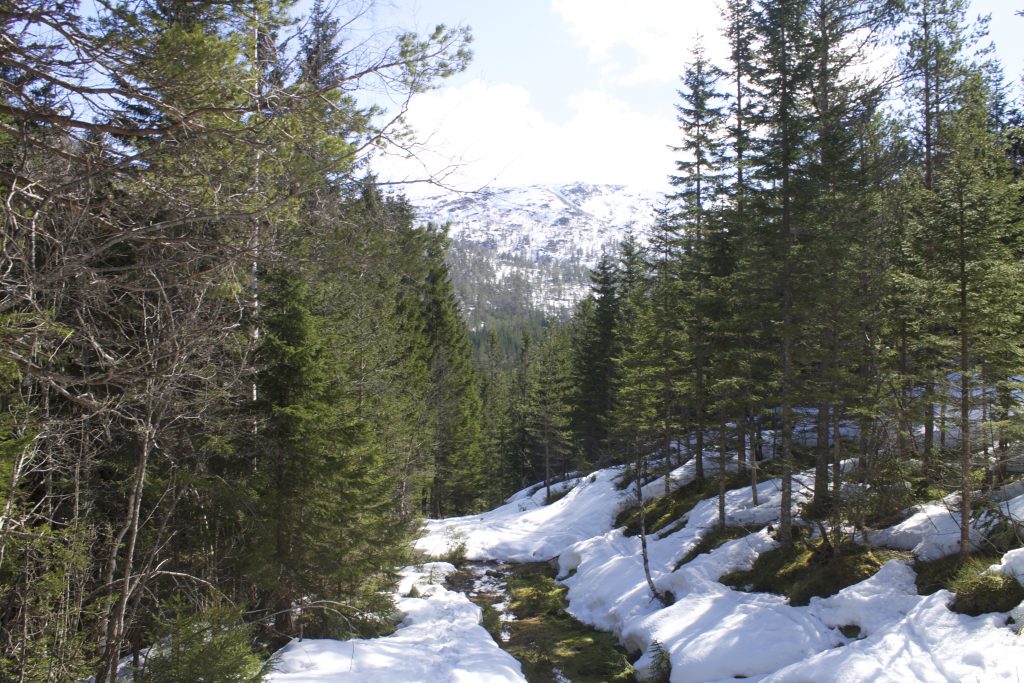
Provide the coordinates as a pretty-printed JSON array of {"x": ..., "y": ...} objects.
[
  {"x": 526, "y": 530},
  {"x": 714, "y": 633},
  {"x": 440, "y": 640},
  {"x": 711, "y": 633}
]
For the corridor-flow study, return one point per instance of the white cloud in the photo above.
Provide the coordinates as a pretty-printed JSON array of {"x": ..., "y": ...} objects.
[
  {"x": 642, "y": 41},
  {"x": 479, "y": 134}
]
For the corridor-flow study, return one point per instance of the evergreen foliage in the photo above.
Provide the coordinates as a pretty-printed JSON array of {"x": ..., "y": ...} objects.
[
  {"x": 211, "y": 646},
  {"x": 594, "y": 362},
  {"x": 826, "y": 265},
  {"x": 228, "y": 364},
  {"x": 231, "y": 365}
]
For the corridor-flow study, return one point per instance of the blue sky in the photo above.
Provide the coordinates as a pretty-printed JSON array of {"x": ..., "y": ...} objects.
[{"x": 566, "y": 90}]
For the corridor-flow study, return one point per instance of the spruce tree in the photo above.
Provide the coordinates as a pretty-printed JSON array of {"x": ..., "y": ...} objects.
[
  {"x": 594, "y": 364},
  {"x": 935, "y": 61},
  {"x": 783, "y": 74},
  {"x": 841, "y": 215},
  {"x": 549, "y": 392},
  {"x": 697, "y": 185},
  {"x": 972, "y": 222},
  {"x": 667, "y": 346}
]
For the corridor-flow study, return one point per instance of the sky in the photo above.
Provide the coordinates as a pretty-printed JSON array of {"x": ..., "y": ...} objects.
[{"x": 574, "y": 90}]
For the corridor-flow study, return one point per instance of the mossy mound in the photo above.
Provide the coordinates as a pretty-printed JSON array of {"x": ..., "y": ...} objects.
[
  {"x": 933, "y": 575},
  {"x": 979, "y": 592},
  {"x": 810, "y": 570}
]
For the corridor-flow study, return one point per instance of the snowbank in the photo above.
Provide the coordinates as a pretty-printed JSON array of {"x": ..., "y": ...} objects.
[
  {"x": 607, "y": 587},
  {"x": 1012, "y": 564},
  {"x": 931, "y": 532},
  {"x": 930, "y": 643},
  {"x": 872, "y": 604},
  {"x": 714, "y": 633},
  {"x": 439, "y": 640},
  {"x": 527, "y": 530},
  {"x": 718, "y": 633},
  {"x": 1014, "y": 509}
]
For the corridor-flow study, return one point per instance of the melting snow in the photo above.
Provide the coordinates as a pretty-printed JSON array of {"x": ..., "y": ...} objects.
[
  {"x": 439, "y": 640},
  {"x": 710, "y": 633}
]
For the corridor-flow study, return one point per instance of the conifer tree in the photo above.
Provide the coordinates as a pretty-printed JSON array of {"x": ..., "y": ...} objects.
[
  {"x": 594, "y": 364},
  {"x": 453, "y": 396},
  {"x": 844, "y": 106},
  {"x": 697, "y": 185},
  {"x": 549, "y": 407},
  {"x": 971, "y": 221},
  {"x": 783, "y": 82},
  {"x": 305, "y": 442},
  {"x": 935, "y": 62},
  {"x": 667, "y": 342},
  {"x": 636, "y": 414},
  {"x": 739, "y": 287}
]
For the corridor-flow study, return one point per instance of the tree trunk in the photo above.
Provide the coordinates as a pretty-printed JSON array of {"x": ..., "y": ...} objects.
[
  {"x": 821, "y": 457},
  {"x": 547, "y": 471},
  {"x": 114, "y": 635},
  {"x": 699, "y": 445},
  {"x": 755, "y": 449},
  {"x": 640, "y": 471},
  {"x": 965, "y": 409},
  {"x": 929, "y": 426},
  {"x": 741, "y": 445},
  {"x": 837, "y": 478},
  {"x": 722, "y": 471}
]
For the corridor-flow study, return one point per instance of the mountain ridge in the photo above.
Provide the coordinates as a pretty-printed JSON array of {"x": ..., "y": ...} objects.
[{"x": 533, "y": 246}]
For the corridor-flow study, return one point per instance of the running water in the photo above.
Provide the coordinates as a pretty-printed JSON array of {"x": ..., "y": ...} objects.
[{"x": 486, "y": 584}]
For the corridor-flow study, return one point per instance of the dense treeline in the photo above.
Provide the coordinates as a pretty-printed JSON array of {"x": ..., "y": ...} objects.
[
  {"x": 232, "y": 374},
  {"x": 836, "y": 276}
]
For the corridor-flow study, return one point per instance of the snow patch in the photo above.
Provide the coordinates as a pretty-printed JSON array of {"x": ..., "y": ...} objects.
[
  {"x": 930, "y": 643},
  {"x": 1012, "y": 564},
  {"x": 526, "y": 530},
  {"x": 439, "y": 640},
  {"x": 931, "y": 532}
]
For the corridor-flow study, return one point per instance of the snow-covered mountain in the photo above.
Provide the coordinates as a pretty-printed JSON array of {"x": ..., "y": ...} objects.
[{"x": 533, "y": 246}]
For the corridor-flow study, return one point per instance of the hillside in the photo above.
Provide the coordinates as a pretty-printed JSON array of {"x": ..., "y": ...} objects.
[
  {"x": 519, "y": 248},
  {"x": 868, "y": 615}
]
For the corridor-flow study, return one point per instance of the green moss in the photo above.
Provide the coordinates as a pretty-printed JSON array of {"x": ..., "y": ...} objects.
[
  {"x": 712, "y": 540},
  {"x": 455, "y": 554},
  {"x": 544, "y": 638},
  {"x": 662, "y": 512},
  {"x": 535, "y": 592},
  {"x": 940, "y": 574},
  {"x": 492, "y": 621},
  {"x": 803, "y": 571},
  {"x": 978, "y": 592},
  {"x": 1005, "y": 536}
]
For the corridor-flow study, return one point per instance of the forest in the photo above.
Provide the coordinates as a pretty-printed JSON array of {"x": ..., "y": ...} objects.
[
  {"x": 833, "y": 266},
  {"x": 235, "y": 376}
]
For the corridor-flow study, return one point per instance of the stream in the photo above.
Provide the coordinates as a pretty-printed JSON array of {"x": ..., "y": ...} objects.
[
  {"x": 525, "y": 612},
  {"x": 486, "y": 584}
]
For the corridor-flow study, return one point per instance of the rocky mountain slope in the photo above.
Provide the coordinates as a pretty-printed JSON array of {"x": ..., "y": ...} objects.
[{"x": 532, "y": 247}]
